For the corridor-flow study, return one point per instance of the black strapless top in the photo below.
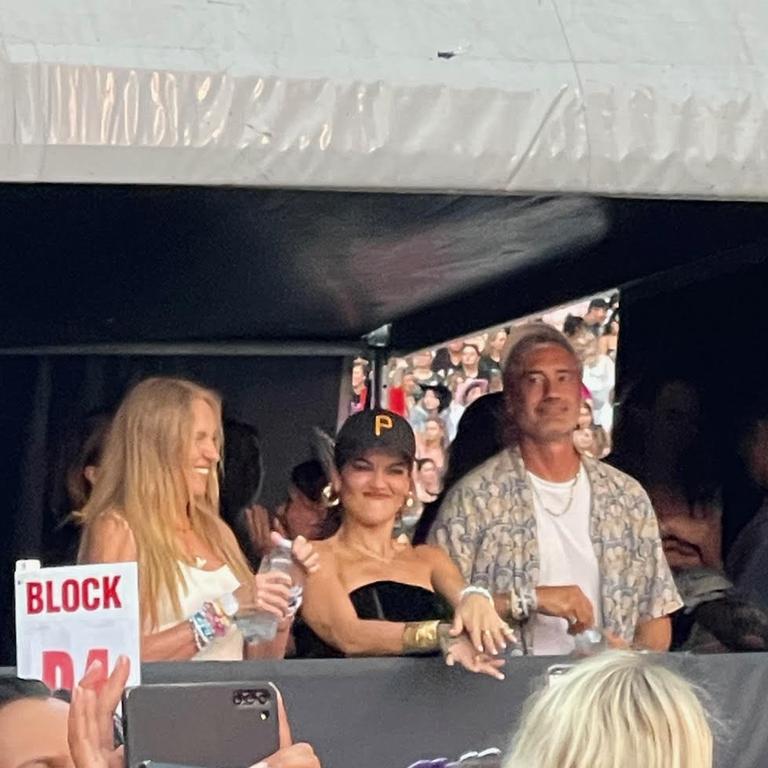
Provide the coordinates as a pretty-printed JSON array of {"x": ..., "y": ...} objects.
[{"x": 380, "y": 600}]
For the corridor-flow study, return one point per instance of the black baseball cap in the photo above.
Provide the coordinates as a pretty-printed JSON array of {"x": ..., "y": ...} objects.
[{"x": 375, "y": 429}]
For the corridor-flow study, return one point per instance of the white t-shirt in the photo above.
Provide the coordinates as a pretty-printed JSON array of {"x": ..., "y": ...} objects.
[{"x": 566, "y": 555}]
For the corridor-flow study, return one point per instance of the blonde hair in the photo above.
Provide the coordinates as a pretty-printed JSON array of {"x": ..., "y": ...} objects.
[
  {"x": 615, "y": 710},
  {"x": 142, "y": 479}
]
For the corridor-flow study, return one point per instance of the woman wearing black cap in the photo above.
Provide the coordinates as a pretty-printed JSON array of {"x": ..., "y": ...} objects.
[{"x": 374, "y": 595}]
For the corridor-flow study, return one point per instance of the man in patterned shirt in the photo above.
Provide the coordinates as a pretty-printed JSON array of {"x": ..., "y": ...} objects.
[{"x": 564, "y": 543}]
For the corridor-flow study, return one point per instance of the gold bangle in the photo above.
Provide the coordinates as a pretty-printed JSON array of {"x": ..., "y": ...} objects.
[{"x": 421, "y": 637}]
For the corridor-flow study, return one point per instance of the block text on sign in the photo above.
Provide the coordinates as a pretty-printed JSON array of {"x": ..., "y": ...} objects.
[
  {"x": 71, "y": 595},
  {"x": 69, "y": 616}
]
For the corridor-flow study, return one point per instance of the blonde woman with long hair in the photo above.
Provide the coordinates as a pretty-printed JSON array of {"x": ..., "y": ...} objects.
[
  {"x": 615, "y": 710},
  {"x": 156, "y": 502}
]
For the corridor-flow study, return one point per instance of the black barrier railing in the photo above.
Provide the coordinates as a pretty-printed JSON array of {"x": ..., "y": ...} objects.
[{"x": 388, "y": 713}]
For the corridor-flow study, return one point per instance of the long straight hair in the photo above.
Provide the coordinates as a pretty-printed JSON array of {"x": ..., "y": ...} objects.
[{"x": 142, "y": 479}]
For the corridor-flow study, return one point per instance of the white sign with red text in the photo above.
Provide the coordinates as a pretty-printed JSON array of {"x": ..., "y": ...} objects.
[{"x": 70, "y": 616}]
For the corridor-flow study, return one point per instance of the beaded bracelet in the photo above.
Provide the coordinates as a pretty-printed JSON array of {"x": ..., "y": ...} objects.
[
  {"x": 209, "y": 623},
  {"x": 202, "y": 631}
]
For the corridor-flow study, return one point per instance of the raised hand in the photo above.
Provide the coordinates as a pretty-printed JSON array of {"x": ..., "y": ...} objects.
[
  {"x": 91, "y": 716},
  {"x": 303, "y": 552}
]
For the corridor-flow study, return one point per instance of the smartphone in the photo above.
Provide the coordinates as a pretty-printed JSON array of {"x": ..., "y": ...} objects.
[
  {"x": 556, "y": 672},
  {"x": 153, "y": 764},
  {"x": 210, "y": 725}
]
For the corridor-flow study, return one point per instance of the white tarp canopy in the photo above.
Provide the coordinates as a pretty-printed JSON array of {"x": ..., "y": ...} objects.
[{"x": 519, "y": 96}]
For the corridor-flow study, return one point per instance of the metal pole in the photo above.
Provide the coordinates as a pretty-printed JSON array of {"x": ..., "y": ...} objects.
[
  {"x": 207, "y": 349},
  {"x": 378, "y": 350}
]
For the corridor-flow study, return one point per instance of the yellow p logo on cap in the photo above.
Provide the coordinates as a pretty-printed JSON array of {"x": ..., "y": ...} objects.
[{"x": 382, "y": 421}]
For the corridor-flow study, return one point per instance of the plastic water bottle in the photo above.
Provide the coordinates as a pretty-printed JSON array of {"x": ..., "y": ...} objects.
[
  {"x": 260, "y": 626},
  {"x": 589, "y": 642}
]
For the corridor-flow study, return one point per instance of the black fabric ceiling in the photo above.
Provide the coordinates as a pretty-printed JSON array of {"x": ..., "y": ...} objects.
[{"x": 86, "y": 264}]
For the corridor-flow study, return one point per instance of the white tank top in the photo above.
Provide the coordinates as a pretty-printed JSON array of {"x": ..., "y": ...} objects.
[
  {"x": 202, "y": 587},
  {"x": 566, "y": 554}
]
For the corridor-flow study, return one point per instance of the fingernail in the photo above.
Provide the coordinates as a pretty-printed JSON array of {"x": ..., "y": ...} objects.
[
  {"x": 500, "y": 677},
  {"x": 95, "y": 664}
]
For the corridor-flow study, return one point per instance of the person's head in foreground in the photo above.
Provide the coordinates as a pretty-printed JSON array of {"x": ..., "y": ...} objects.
[
  {"x": 33, "y": 726},
  {"x": 615, "y": 710}
]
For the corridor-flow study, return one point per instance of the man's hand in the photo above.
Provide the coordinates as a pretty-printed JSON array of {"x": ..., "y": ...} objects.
[
  {"x": 568, "y": 603},
  {"x": 297, "y": 756},
  {"x": 91, "y": 714}
]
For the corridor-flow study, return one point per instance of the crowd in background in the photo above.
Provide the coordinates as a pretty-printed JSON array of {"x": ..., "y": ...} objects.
[{"x": 432, "y": 388}]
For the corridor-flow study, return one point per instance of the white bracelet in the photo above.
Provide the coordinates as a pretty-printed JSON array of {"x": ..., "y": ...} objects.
[
  {"x": 522, "y": 604},
  {"x": 472, "y": 590},
  {"x": 531, "y": 599}
]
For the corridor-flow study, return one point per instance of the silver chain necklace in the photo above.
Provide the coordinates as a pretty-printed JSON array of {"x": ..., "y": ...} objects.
[{"x": 567, "y": 504}]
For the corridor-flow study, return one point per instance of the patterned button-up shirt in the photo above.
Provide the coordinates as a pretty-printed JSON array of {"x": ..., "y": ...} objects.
[{"x": 487, "y": 525}]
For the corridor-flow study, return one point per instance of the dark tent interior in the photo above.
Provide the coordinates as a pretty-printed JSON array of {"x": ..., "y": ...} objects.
[{"x": 266, "y": 295}]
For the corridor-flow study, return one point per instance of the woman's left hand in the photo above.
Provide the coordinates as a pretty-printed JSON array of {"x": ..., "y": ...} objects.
[
  {"x": 91, "y": 726},
  {"x": 476, "y": 616},
  {"x": 459, "y": 650}
]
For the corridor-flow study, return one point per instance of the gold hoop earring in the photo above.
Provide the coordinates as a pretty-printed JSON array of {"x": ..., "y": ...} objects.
[{"x": 330, "y": 497}]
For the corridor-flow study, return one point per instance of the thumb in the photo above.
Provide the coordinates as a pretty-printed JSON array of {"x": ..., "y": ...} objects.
[{"x": 457, "y": 627}]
